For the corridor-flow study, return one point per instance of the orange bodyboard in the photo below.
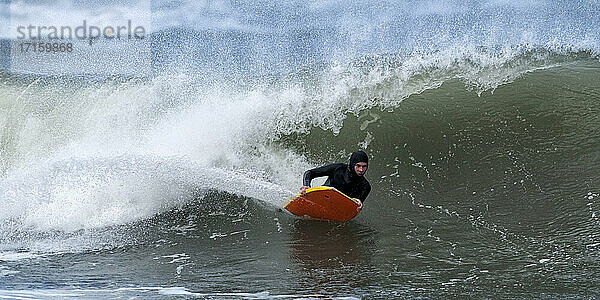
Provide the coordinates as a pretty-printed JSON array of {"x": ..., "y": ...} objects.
[{"x": 323, "y": 203}]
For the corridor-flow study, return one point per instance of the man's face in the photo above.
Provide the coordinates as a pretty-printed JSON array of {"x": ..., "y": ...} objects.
[{"x": 360, "y": 168}]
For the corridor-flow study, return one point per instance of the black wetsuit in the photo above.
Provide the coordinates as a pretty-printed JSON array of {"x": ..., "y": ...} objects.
[{"x": 342, "y": 178}]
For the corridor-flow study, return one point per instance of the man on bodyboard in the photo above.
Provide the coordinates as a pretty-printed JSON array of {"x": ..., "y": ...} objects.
[{"x": 347, "y": 178}]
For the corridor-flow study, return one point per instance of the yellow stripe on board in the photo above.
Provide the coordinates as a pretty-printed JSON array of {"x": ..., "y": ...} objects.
[{"x": 328, "y": 188}]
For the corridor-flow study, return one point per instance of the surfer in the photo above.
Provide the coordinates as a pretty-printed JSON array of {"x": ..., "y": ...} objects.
[{"x": 347, "y": 178}]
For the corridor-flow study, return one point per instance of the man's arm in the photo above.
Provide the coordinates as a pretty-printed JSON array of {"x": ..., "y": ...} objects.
[
  {"x": 316, "y": 172},
  {"x": 319, "y": 172},
  {"x": 365, "y": 190}
]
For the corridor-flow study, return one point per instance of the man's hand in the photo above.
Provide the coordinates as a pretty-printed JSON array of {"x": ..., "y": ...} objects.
[
  {"x": 303, "y": 190},
  {"x": 359, "y": 208}
]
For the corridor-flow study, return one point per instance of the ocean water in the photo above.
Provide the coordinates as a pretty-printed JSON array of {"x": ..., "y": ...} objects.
[{"x": 481, "y": 119}]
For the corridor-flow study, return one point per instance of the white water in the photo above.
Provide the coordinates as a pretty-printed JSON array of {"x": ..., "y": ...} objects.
[{"x": 80, "y": 154}]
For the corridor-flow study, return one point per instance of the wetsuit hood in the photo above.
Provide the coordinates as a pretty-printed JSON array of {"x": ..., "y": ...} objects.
[{"x": 356, "y": 157}]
